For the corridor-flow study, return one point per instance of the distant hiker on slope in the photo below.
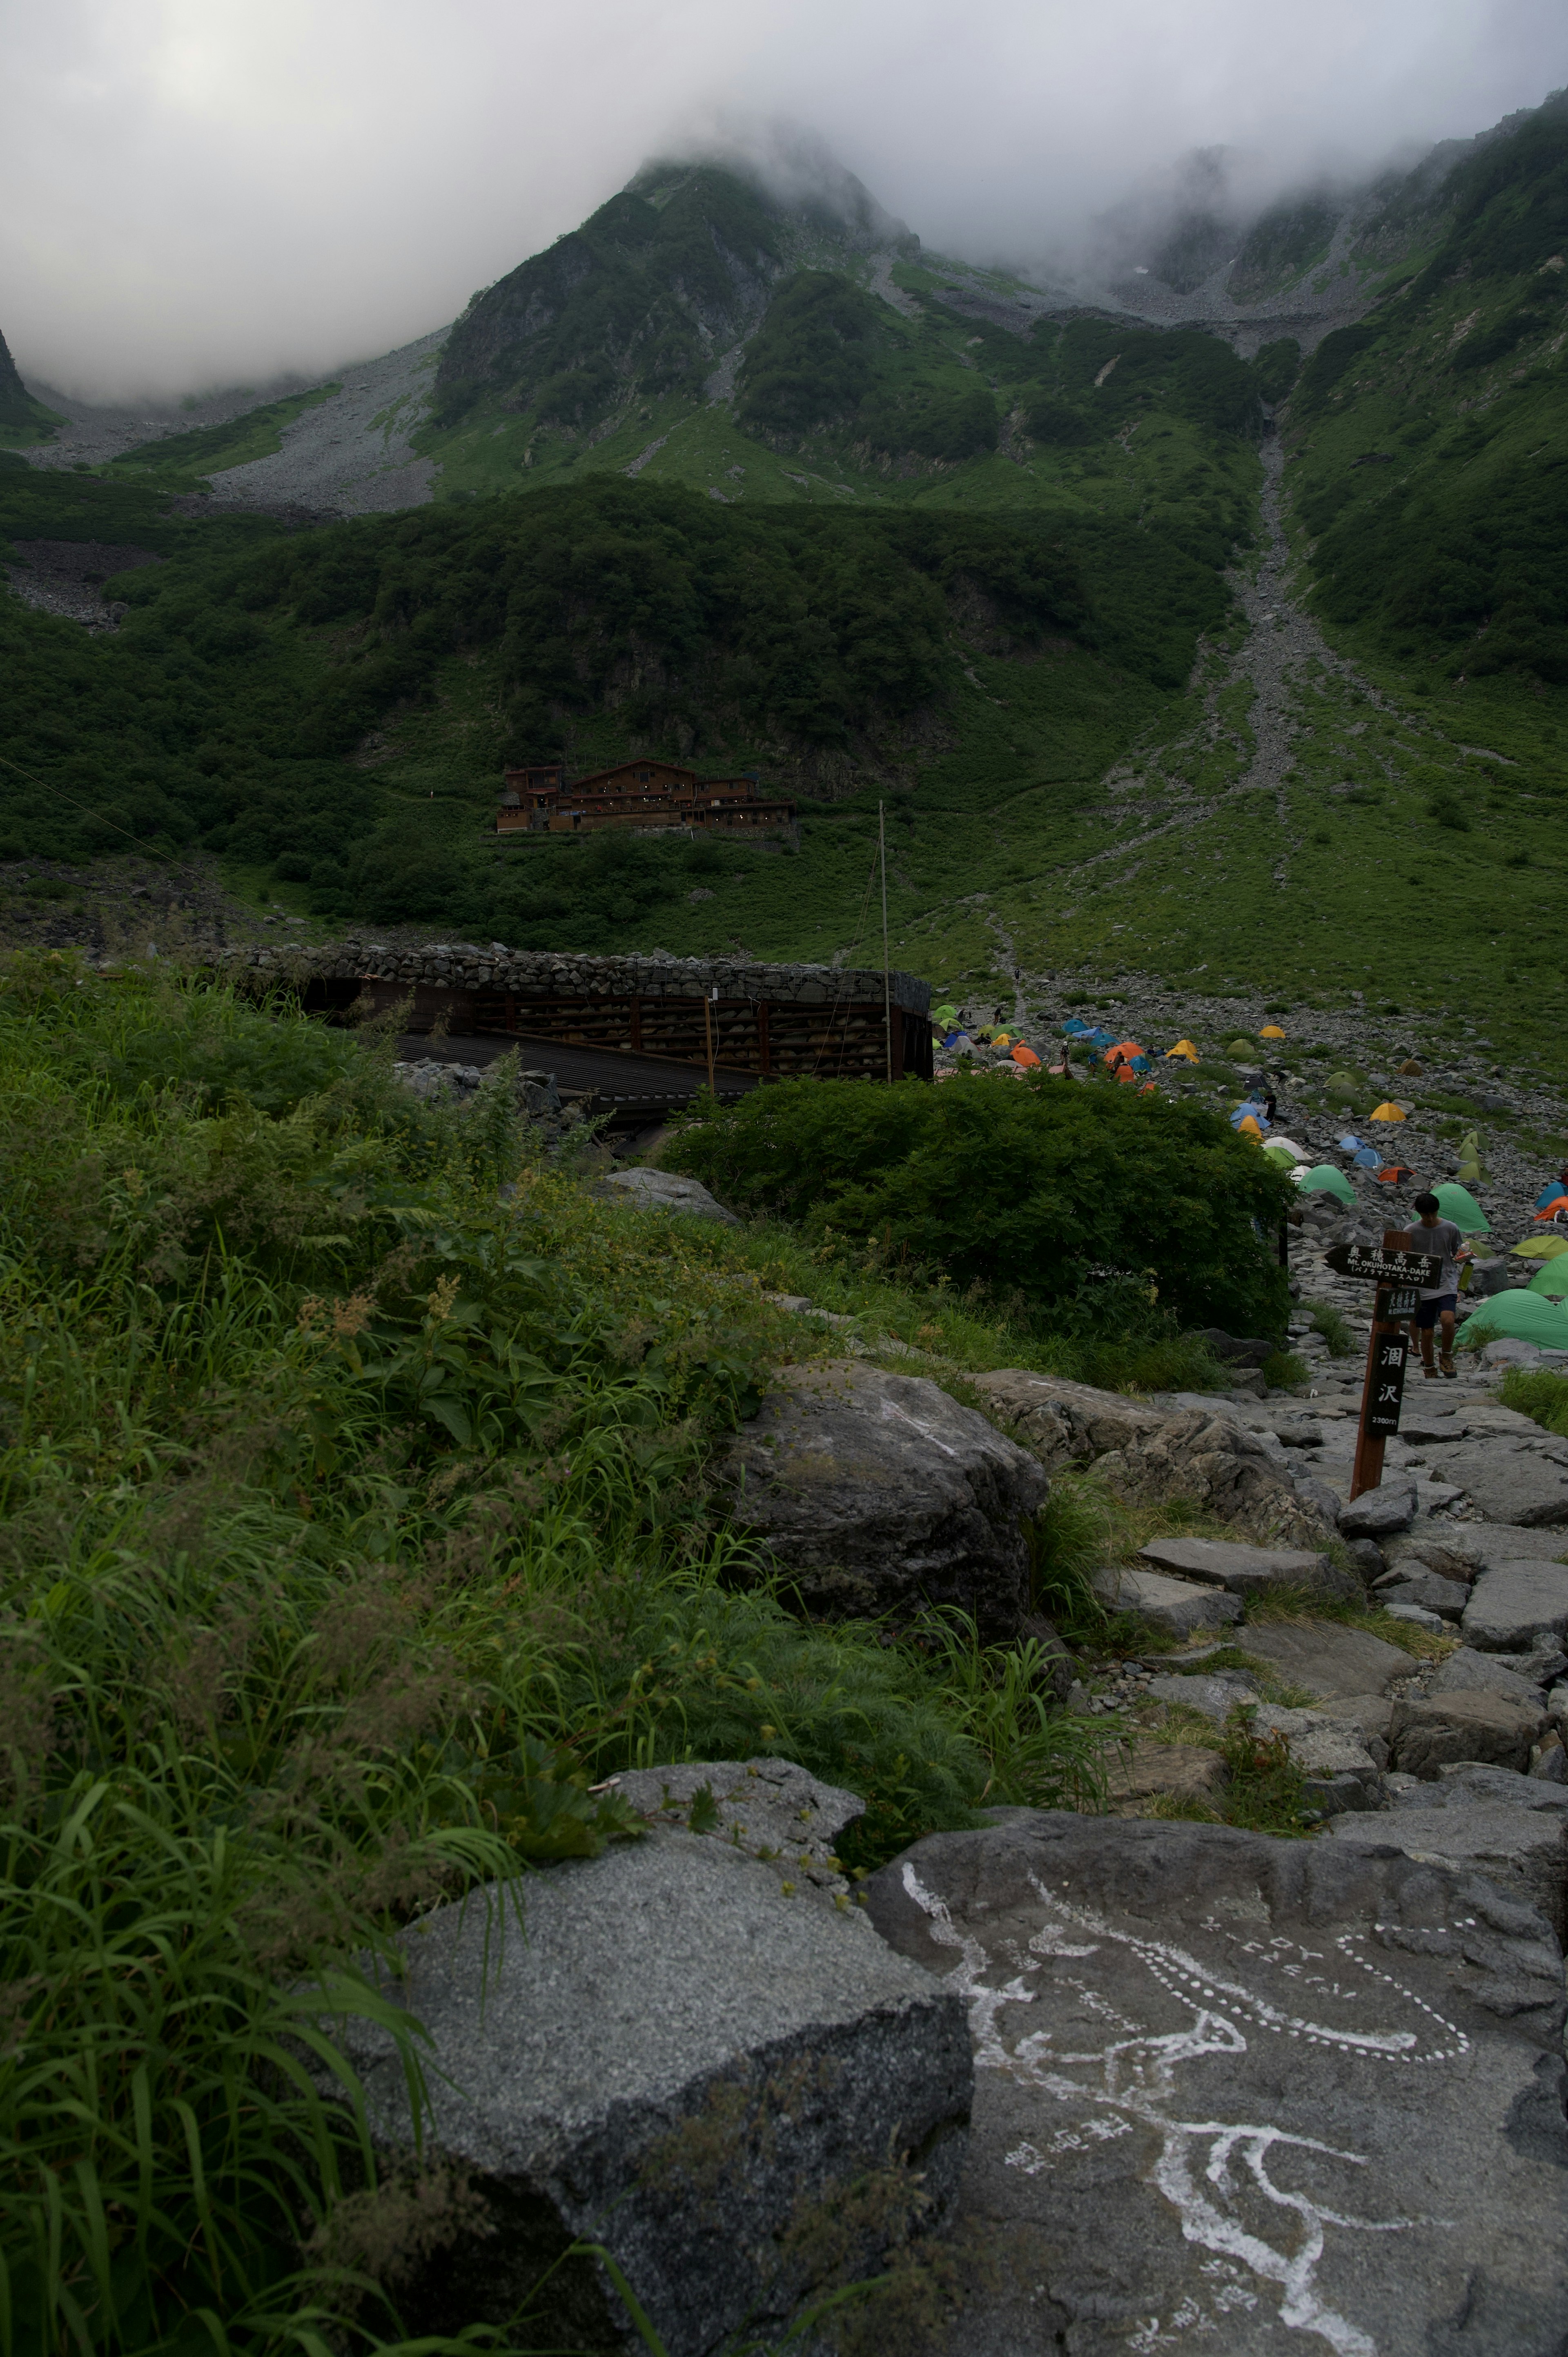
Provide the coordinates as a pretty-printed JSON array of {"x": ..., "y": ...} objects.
[{"x": 1442, "y": 1239}]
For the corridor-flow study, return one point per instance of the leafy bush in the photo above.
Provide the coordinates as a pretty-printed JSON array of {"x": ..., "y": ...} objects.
[{"x": 1095, "y": 1208}]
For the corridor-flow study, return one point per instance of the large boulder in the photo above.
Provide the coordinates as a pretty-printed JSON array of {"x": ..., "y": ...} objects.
[
  {"x": 1511, "y": 1481},
  {"x": 1244, "y": 2093},
  {"x": 1516, "y": 1604},
  {"x": 1468, "y": 1672},
  {"x": 878, "y": 1493},
  {"x": 1431, "y": 1729},
  {"x": 1522, "y": 1851},
  {"x": 1151, "y": 1454},
  {"x": 664, "y": 1190},
  {"x": 673, "y": 2058},
  {"x": 1066, "y": 1423}
]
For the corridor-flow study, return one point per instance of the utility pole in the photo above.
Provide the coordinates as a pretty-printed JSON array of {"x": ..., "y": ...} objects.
[
  {"x": 887, "y": 979},
  {"x": 708, "y": 997}
]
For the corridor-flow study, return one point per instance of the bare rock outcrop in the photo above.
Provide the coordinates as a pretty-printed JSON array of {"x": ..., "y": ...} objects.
[
  {"x": 1149, "y": 1454},
  {"x": 879, "y": 1493}
]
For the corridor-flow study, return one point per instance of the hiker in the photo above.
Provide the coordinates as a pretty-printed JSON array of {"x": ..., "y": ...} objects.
[
  {"x": 1271, "y": 1107},
  {"x": 1442, "y": 1239}
]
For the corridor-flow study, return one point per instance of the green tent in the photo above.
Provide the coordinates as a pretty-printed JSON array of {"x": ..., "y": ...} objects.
[
  {"x": 1523, "y": 1315},
  {"x": 1550, "y": 1280},
  {"x": 1323, "y": 1179},
  {"x": 1240, "y": 1047},
  {"x": 1457, "y": 1203}
]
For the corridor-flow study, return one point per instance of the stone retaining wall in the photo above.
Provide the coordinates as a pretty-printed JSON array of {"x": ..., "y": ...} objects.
[{"x": 543, "y": 974}]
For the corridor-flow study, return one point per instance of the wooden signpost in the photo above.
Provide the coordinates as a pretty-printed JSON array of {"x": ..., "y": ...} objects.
[{"x": 1401, "y": 1275}]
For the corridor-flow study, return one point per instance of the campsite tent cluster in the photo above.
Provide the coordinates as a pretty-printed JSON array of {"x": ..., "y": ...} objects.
[{"x": 1534, "y": 1312}]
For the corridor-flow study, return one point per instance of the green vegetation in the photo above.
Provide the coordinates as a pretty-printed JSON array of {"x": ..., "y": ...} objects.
[
  {"x": 608, "y": 313},
  {"x": 1092, "y": 1209},
  {"x": 257, "y": 433},
  {"x": 355, "y": 1527},
  {"x": 1542, "y": 1397},
  {"x": 22, "y": 419}
]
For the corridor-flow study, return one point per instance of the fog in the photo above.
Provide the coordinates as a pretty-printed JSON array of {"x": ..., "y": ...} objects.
[{"x": 199, "y": 193}]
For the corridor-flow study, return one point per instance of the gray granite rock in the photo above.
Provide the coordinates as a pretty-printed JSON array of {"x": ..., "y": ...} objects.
[
  {"x": 1524, "y": 1851},
  {"x": 1445, "y": 1598},
  {"x": 1252, "y": 2095},
  {"x": 1246, "y": 1570},
  {"x": 1511, "y": 1481},
  {"x": 1429, "y": 1729},
  {"x": 1179, "y": 1607},
  {"x": 1514, "y": 1605},
  {"x": 672, "y": 2057},
  {"x": 664, "y": 1190},
  {"x": 1465, "y": 1783},
  {"x": 1339, "y": 1772},
  {"x": 1500, "y": 1542},
  {"x": 879, "y": 1493},
  {"x": 1216, "y": 1695},
  {"x": 1377, "y": 1513},
  {"x": 1468, "y": 1672},
  {"x": 1326, "y": 1659},
  {"x": 1188, "y": 1446},
  {"x": 774, "y": 1810}
]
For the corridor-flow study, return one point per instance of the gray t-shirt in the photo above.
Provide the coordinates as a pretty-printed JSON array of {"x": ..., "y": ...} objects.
[{"x": 1442, "y": 1237}]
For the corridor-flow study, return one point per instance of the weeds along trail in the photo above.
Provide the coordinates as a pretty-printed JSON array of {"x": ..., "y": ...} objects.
[{"x": 354, "y": 1526}]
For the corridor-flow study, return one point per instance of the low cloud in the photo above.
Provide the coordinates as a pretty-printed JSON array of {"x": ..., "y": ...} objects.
[{"x": 201, "y": 194}]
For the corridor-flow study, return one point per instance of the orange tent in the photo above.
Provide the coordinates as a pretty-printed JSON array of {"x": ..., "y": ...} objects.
[
  {"x": 1125, "y": 1074},
  {"x": 1025, "y": 1056},
  {"x": 1557, "y": 1203},
  {"x": 1248, "y": 1128},
  {"x": 1148, "y": 1089},
  {"x": 1271, "y": 1031}
]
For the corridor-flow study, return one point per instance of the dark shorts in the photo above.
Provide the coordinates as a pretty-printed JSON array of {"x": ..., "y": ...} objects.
[{"x": 1430, "y": 1311}]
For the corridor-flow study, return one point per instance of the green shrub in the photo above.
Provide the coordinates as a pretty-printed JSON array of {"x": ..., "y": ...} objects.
[
  {"x": 1536, "y": 1394},
  {"x": 1100, "y": 1211}
]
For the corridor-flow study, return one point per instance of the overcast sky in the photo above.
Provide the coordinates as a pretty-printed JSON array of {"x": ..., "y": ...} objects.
[{"x": 200, "y": 192}]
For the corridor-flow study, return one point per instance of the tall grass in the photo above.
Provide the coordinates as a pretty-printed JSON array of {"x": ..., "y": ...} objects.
[{"x": 354, "y": 1527}]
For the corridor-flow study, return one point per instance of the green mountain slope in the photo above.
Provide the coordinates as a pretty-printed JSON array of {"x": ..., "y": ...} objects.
[
  {"x": 756, "y": 485},
  {"x": 22, "y": 419}
]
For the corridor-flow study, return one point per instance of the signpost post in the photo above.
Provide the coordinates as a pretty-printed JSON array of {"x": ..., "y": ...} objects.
[{"x": 1402, "y": 1275}]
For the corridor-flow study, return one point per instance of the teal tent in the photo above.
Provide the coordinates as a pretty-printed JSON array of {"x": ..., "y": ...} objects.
[
  {"x": 1457, "y": 1203},
  {"x": 1525, "y": 1316},
  {"x": 1324, "y": 1179}
]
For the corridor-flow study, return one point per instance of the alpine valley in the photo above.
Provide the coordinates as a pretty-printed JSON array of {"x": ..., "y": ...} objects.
[{"x": 1205, "y": 615}]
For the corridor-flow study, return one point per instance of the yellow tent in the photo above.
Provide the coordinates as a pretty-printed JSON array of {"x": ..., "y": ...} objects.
[
  {"x": 1271, "y": 1031},
  {"x": 1390, "y": 1112},
  {"x": 1248, "y": 1128},
  {"x": 1183, "y": 1048},
  {"x": 1541, "y": 1247}
]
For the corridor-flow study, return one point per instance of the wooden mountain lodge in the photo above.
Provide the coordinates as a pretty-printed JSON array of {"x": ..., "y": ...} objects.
[{"x": 636, "y": 796}]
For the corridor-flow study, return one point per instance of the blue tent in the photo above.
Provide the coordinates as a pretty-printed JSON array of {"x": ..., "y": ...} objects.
[
  {"x": 1349, "y": 1145},
  {"x": 1368, "y": 1160},
  {"x": 1257, "y": 1112},
  {"x": 1549, "y": 1194}
]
